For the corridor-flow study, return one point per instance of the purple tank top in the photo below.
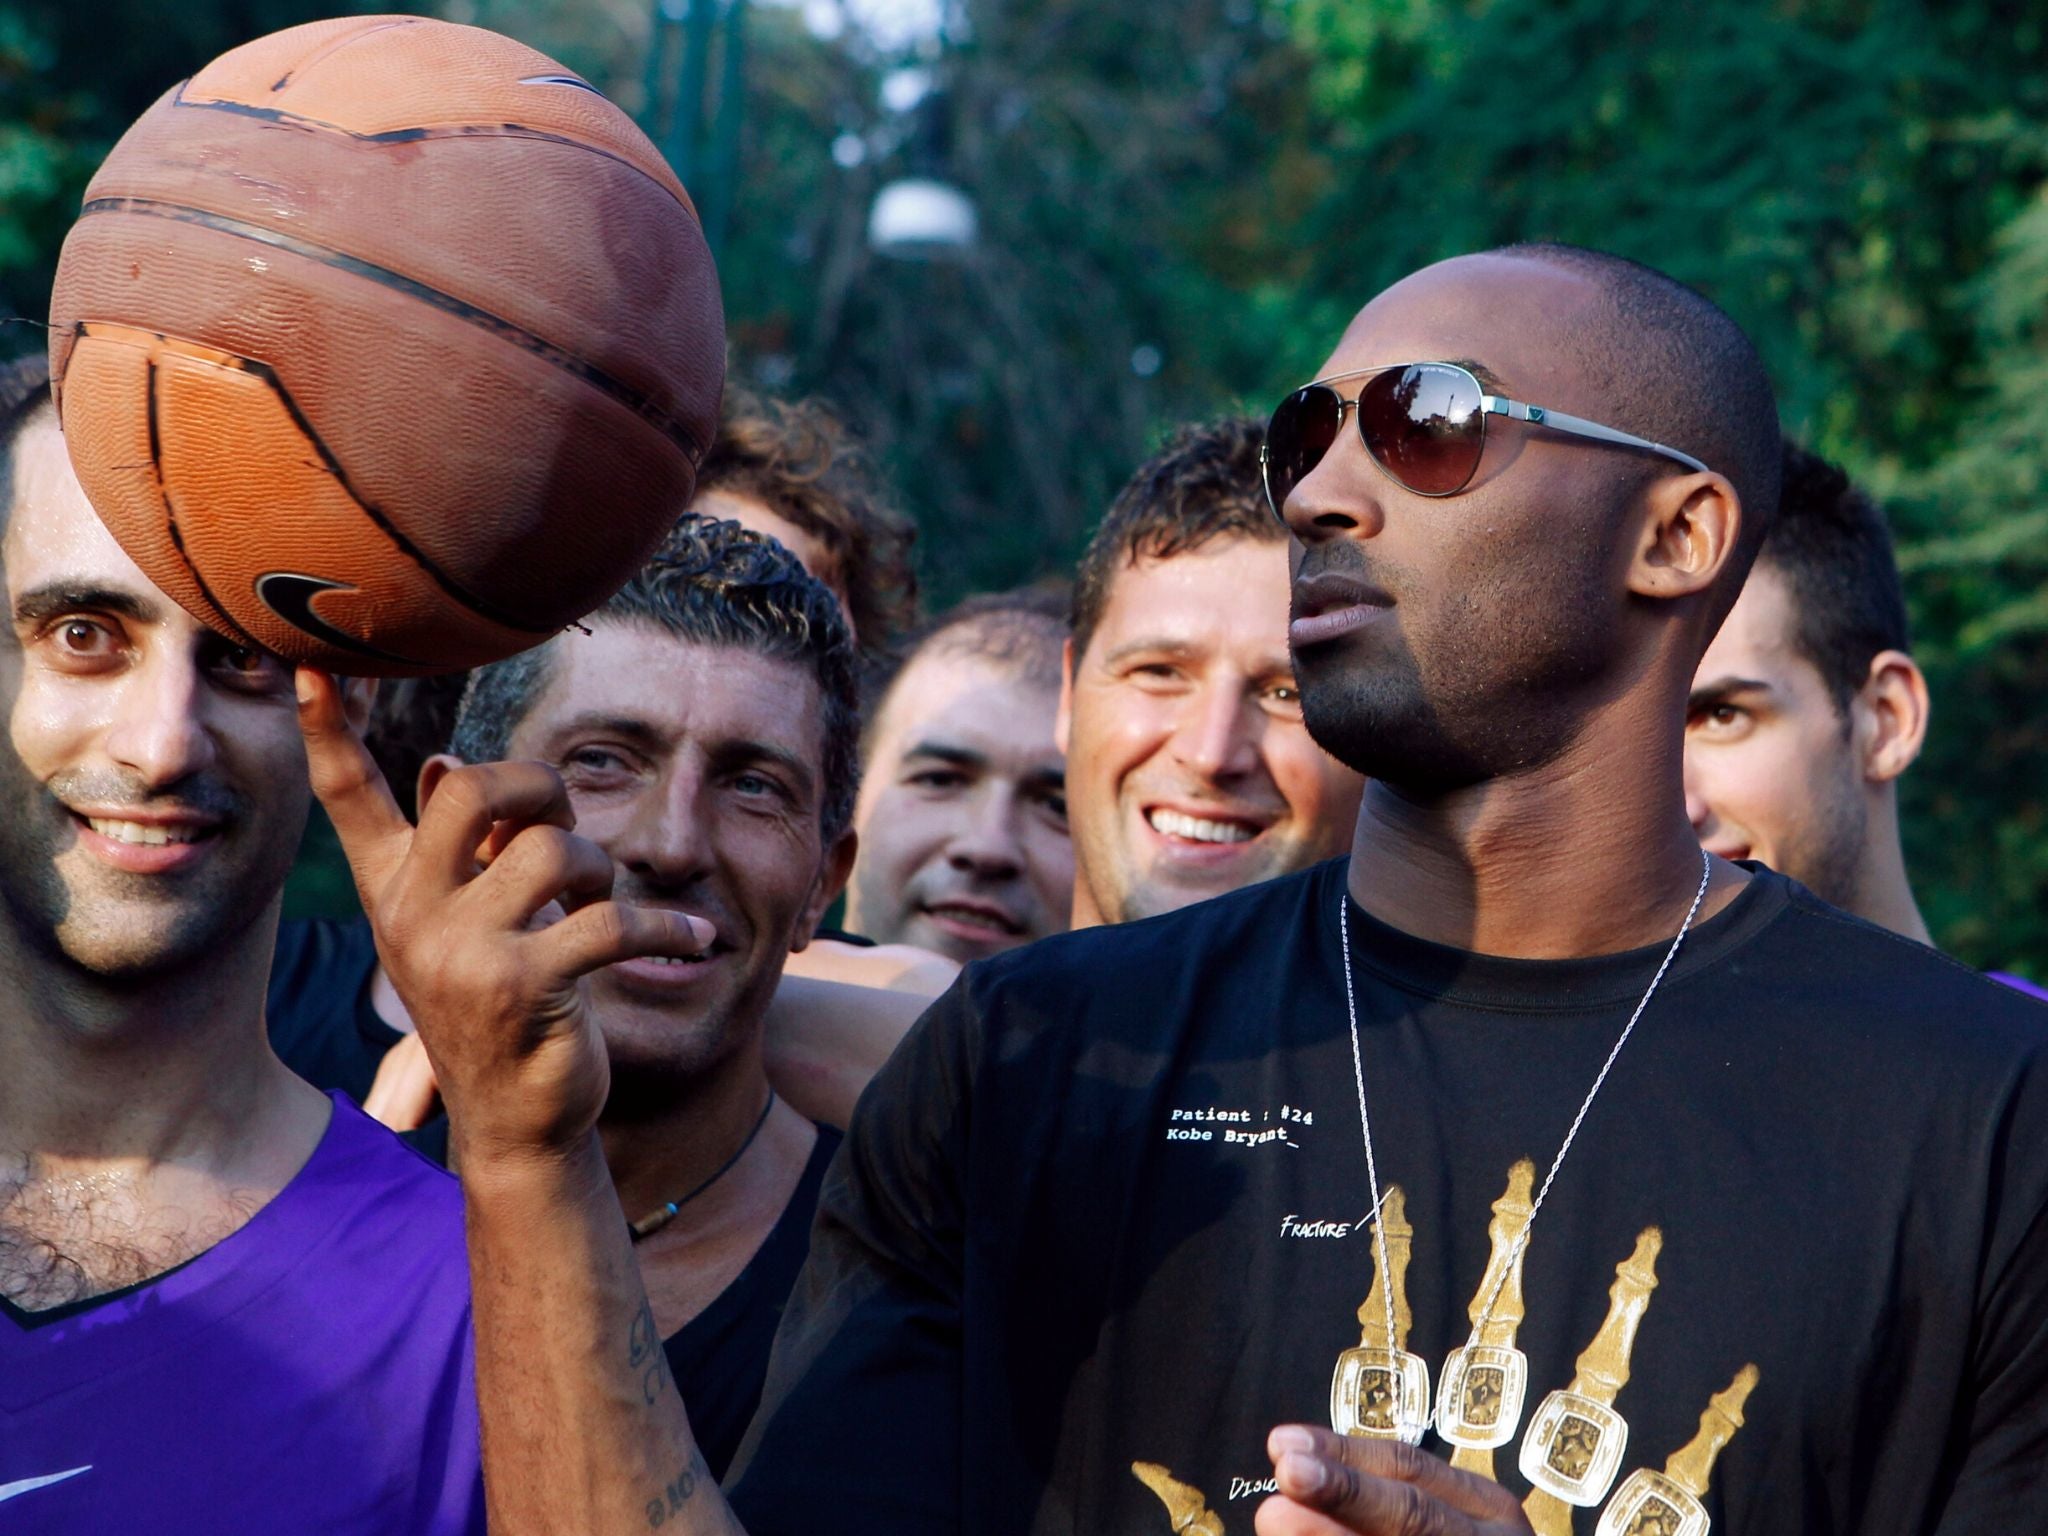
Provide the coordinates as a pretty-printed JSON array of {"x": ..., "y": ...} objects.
[
  {"x": 312, "y": 1372},
  {"x": 2019, "y": 984}
]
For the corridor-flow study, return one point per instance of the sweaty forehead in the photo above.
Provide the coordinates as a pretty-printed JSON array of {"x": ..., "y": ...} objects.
[
  {"x": 1756, "y": 639},
  {"x": 50, "y": 530},
  {"x": 1228, "y": 599},
  {"x": 1528, "y": 322},
  {"x": 671, "y": 688},
  {"x": 971, "y": 701}
]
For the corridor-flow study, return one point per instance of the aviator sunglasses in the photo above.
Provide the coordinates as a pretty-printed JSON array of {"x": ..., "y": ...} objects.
[{"x": 1423, "y": 424}]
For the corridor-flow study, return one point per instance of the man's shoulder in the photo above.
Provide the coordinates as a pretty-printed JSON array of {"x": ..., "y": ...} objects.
[
  {"x": 317, "y": 968},
  {"x": 383, "y": 1192},
  {"x": 1140, "y": 985},
  {"x": 313, "y": 948},
  {"x": 1212, "y": 933},
  {"x": 1883, "y": 984}
]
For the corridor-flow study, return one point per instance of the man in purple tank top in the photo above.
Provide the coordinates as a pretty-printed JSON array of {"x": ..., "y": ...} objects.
[{"x": 228, "y": 1302}]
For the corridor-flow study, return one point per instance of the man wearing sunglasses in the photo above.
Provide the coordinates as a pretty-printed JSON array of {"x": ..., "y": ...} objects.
[{"x": 1588, "y": 1183}]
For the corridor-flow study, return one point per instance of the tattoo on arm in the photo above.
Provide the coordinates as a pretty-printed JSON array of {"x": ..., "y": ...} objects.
[
  {"x": 668, "y": 1502},
  {"x": 645, "y": 1355}
]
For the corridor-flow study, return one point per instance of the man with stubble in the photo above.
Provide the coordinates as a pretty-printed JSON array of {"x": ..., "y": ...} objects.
[
  {"x": 1580, "y": 1179},
  {"x": 1189, "y": 770},
  {"x": 962, "y": 813},
  {"x": 727, "y": 792},
  {"x": 227, "y": 1300}
]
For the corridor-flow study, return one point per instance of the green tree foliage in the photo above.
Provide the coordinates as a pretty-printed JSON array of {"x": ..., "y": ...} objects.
[
  {"x": 1859, "y": 184},
  {"x": 1976, "y": 556}
]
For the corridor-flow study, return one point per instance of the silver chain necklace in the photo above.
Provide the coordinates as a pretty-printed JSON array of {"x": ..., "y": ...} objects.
[{"x": 1398, "y": 1386}]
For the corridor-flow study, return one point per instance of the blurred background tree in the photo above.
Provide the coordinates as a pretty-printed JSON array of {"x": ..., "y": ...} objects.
[{"x": 1176, "y": 209}]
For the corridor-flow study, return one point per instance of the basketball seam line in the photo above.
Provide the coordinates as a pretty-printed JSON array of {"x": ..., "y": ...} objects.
[
  {"x": 330, "y": 47},
  {"x": 163, "y": 491},
  {"x": 461, "y": 131},
  {"x": 397, "y": 536},
  {"x": 527, "y": 341},
  {"x": 376, "y": 515}
]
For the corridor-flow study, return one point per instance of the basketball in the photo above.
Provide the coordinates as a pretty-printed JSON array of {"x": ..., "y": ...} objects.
[{"x": 387, "y": 345}]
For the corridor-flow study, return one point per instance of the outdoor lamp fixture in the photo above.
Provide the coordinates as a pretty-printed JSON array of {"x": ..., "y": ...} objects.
[
  {"x": 922, "y": 215},
  {"x": 920, "y": 219}
]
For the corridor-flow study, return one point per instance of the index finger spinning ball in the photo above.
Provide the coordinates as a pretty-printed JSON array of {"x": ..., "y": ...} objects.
[{"x": 387, "y": 345}]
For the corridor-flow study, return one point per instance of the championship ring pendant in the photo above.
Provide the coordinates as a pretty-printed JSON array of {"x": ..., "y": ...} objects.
[
  {"x": 1652, "y": 1504},
  {"x": 1574, "y": 1447},
  {"x": 1381, "y": 1393},
  {"x": 1479, "y": 1400}
]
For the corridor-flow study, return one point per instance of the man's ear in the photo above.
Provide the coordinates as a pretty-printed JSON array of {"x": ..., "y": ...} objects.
[
  {"x": 432, "y": 772},
  {"x": 832, "y": 877},
  {"x": 358, "y": 698},
  {"x": 1688, "y": 534},
  {"x": 1063, "y": 721},
  {"x": 1890, "y": 713}
]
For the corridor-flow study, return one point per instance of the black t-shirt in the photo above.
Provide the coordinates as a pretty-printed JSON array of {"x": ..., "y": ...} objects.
[
  {"x": 1100, "y": 1224},
  {"x": 720, "y": 1357},
  {"x": 321, "y": 1021}
]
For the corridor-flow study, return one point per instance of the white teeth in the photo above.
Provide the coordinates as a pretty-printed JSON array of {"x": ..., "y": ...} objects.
[
  {"x": 1196, "y": 829},
  {"x": 140, "y": 832}
]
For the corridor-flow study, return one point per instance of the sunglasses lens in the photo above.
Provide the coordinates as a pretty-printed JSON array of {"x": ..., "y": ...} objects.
[
  {"x": 1423, "y": 425},
  {"x": 1300, "y": 433}
]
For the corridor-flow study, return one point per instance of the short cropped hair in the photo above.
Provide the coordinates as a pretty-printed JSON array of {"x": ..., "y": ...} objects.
[
  {"x": 1202, "y": 485},
  {"x": 1833, "y": 550},
  {"x": 799, "y": 460},
  {"x": 24, "y": 387},
  {"x": 1020, "y": 632},
  {"x": 410, "y": 720},
  {"x": 1679, "y": 371},
  {"x": 712, "y": 583}
]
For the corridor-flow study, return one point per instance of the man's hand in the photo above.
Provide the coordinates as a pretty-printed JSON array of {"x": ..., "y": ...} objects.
[
  {"x": 460, "y": 909},
  {"x": 1341, "y": 1485}
]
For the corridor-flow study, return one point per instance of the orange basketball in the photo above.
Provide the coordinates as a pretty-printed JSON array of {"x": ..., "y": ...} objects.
[{"x": 387, "y": 345}]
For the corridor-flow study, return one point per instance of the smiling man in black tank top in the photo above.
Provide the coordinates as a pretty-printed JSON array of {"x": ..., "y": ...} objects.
[{"x": 704, "y": 724}]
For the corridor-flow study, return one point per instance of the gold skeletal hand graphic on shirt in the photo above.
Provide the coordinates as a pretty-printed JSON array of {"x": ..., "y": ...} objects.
[
  {"x": 1185, "y": 1506},
  {"x": 1575, "y": 1441},
  {"x": 1485, "y": 1381},
  {"x": 1379, "y": 1388},
  {"x": 1669, "y": 1503}
]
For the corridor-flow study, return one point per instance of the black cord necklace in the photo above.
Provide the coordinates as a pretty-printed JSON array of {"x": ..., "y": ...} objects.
[{"x": 662, "y": 1215}]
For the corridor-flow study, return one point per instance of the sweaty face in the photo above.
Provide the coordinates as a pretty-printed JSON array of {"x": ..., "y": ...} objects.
[
  {"x": 1464, "y": 637},
  {"x": 153, "y": 781},
  {"x": 963, "y": 811},
  {"x": 1770, "y": 767},
  {"x": 1189, "y": 770},
  {"x": 697, "y": 769}
]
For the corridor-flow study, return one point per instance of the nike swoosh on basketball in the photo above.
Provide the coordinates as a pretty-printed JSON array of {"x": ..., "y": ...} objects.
[
  {"x": 290, "y": 596},
  {"x": 31, "y": 1484}
]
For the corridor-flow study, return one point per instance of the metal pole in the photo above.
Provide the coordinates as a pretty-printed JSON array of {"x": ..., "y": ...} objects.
[
  {"x": 658, "y": 29},
  {"x": 686, "y": 133},
  {"x": 722, "y": 169}
]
